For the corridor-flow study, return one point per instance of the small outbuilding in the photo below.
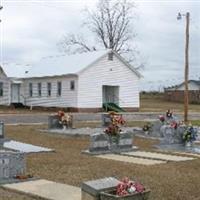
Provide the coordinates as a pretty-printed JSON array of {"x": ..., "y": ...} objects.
[
  {"x": 81, "y": 82},
  {"x": 176, "y": 93}
]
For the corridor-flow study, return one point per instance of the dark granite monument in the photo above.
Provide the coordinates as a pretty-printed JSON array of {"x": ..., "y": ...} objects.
[
  {"x": 101, "y": 143},
  {"x": 60, "y": 121},
  {"x": 11, "y": 164},
  {"x": 91, "y": 190}
]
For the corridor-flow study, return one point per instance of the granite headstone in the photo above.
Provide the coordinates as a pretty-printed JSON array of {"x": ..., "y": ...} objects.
[
  {"x": 125, "y": 140},
  {"x": 91, "y": 189},
  {"x": 54, "y": 122},
  {"x": 99, "y": 142}
]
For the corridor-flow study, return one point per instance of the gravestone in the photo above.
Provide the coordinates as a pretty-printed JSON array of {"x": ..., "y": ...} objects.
[
  {"x": 54, "y": 122},
  {"x": 91, "y": 189},
  {"x": 103, "y": 143},
  {"x": 106, "y": 120},
  {"x": 1, "y": 130},
  {"x": 168, "y": 133},
  {"x": 11, "y": 164},
  {"x": 155, "y": 129},
  {"x": 125, "y": 141},
  {"x": 99, "y": 142},
  {"x": 172, "y": 135}
]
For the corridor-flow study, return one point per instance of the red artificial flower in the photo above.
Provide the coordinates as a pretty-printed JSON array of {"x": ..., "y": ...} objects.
[
  {"x": 174, "y": 125},
  {"x": 139, "y": 187},
  {"x": 61, "y": 113},
  {"x": 125, "y": 186},
  {"x": 161, "y": 118}
]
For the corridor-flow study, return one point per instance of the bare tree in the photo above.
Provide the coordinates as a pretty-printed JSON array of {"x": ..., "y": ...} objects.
[{"x": 111, "y": 25}]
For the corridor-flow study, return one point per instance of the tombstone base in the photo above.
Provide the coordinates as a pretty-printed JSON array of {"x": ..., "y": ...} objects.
[
  {"x": 110, "y": 195},
  {"x": 86, "y": 196},
  {"x": 179, "y": 148},
  {"x": 121, "y": 150}
]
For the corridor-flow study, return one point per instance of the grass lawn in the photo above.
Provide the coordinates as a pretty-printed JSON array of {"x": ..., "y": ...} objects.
[
  {"x": 148, "y": 103},
  {"x": 156, "y": 103},
  {"x": 172, "y": 181}
]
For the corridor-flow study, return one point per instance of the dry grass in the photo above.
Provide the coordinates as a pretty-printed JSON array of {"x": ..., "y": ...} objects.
[
  {"x": 172, "y": 181},
  {"x": 156, "y": 103}
]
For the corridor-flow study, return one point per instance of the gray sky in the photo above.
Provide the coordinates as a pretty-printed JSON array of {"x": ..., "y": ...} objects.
[{"x": 30, "y": 30}]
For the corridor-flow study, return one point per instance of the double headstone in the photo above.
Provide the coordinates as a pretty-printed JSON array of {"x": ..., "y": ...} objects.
[
  {"x": 172, "y": 135},
  {"x": 99, "y": 142},
  {"x": 102, "y": 143},
  {"x": 11, "y": 164}
]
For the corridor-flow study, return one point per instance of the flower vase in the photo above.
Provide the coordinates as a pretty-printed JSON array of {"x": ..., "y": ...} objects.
[
  {"x": 146, "y": 132},
  {"x": 188, "y": 144},
  {"x": 64, "y": 127}
]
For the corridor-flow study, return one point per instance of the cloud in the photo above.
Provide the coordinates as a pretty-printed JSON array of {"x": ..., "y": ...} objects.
[{"x": 31, "y": 30}]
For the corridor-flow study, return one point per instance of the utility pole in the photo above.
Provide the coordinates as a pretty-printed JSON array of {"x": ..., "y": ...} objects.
[
  {"x": 186, "y": 93},
  {"x": 186, "y": 97}
]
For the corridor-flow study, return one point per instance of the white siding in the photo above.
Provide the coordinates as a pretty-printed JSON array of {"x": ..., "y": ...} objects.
[
  {"x": 68, "y": 98},
  {"x": 106, "y": 72},
  {"x": 5, "y": 99}
]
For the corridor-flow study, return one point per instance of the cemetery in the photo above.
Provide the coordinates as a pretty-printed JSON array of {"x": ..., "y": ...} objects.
[
  {"x": 100, "y": 101},
  {"x": 108, "y": 155},
  {"x": 13, "y": 158}
]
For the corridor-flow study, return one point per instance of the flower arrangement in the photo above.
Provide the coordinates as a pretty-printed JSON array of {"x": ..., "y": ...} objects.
[
  {"x": 116, "y": 122},
  {"x": 60, "y": 114},
  {"x": 64, "y": 119},
  {"x": 174, "y": 124},
  {"x": 162, "y": 118},
  {"x": 147, "y": 127},
  {"x": 126, "y": 187},
  {"x": 22, "y": 177},
  {"x": 189, "y": 134},
  {"x": 169, "y": 113}
]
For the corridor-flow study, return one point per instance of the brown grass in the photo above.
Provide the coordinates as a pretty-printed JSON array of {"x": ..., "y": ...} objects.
[
  {"x": 156, "y": 103},
  {"x": 149, "y": 102},
  {"x": 171, "y": 181}
]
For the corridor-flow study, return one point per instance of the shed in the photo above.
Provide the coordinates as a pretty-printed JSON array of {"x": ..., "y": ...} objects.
[{"x": 176, "y": 93}]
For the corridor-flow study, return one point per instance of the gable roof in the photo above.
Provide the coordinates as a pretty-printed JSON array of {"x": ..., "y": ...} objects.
[
  {"x": 15, "y": 71},
  {"x": 2, "y": 73},
  {"x": 175, "y": 87},
  {"x": 61, "y": 65}
]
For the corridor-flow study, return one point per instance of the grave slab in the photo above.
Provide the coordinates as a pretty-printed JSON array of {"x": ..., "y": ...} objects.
[
  {"x": 157, "y": 156},
  {"x": 47, "y": 190},
  {"x": 194, "y": 149},
  {"x": 24, "y": 148},
  {"x": 122, "y": 158}
]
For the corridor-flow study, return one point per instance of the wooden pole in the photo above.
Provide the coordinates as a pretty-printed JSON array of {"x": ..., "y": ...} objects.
[{"x": 186, "y": 98}]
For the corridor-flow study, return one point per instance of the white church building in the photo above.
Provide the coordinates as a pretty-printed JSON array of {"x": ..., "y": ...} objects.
[{"x": 81, "y": 82}]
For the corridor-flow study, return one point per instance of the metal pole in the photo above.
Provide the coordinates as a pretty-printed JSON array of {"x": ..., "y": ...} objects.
[{"x": 186, "y": 98}]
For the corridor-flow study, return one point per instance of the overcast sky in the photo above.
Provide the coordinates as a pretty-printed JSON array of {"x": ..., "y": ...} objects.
[{"x": 31, "y": 30}]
